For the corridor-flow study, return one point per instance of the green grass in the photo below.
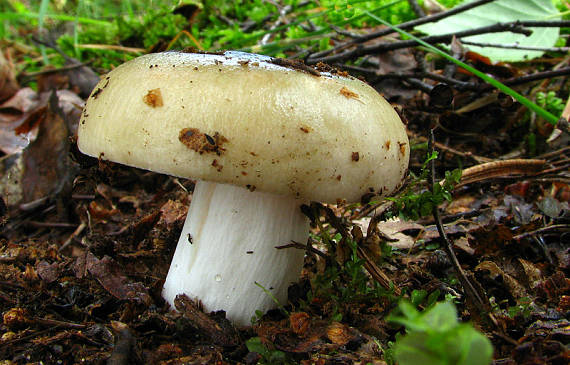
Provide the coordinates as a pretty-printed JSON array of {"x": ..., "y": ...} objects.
[{"x": 150, "y": 23}]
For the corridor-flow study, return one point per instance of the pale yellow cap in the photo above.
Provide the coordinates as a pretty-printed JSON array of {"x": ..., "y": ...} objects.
[{"x": 241, "y": 119}]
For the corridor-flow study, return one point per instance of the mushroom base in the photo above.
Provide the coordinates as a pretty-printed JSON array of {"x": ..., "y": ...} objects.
[{"x": 228, "y": 244}]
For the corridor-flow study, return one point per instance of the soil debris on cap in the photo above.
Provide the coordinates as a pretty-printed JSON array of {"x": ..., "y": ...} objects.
[
  {"x": 323, "y": 67},
  {"x": 153, "y": 98},
  {"x": 402, "y": 147},
  {"x": 202, "y": 142},
  {"x": 348, "y": 93},
  {"x": 298, "y": 65}
]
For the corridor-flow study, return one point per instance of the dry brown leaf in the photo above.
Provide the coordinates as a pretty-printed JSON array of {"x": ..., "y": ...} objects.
[
  {"x": 109, "y": 274},
  {"x": 393, "y": 229},
  {"x": 513, "y": 286},
  {"x": 339, "y": 333},
  {"x": 8, "y": 84}
]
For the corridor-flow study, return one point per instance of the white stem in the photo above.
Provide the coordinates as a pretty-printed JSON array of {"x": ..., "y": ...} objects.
[{"x": 233, "y": 237}]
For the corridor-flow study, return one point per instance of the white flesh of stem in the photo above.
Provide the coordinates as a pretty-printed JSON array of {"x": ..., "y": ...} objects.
[{"x": 233, "y": 237}]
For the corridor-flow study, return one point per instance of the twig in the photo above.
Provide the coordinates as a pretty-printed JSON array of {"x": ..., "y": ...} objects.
[
  {"x": 408, "y": 25},
  {"x": 457, "y": 84},
  {"x": 75, "y": 233},
  {"x": 469, "y": 155},
  {"x": 29, "y": 336},
  {"x": 308, "y": 248},
  {"x": 556, "y": 228},
  {"x": 378, "y": 209},
  {"x": 282, "y": 11},
  {"x": 63, "y": 225},
  {"x": 514, "y": 27},
  {"x": 374, "y": 71},
  {"x": 533, "y": 77},
  {"x": 557, "y": 154},
  {"x": 517, "y": 46},
  {"x": 32, "y": 75},
  {"x": 468, "y": 287},
  {"x": 377, "y": 274},
  {"x": 54, "y": 322}
]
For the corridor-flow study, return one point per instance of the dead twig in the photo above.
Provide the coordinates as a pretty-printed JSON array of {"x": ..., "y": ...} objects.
[
  {"x": 377, "y": 274},
  {"x": 62, "y": 324},
  {"x": 408, "y": 25},
  {"x": 453, "y": 151},
  {"x": 75, "y": 233},
  {"x": 514, "y": 27},
  {"x": 555, "y": 228},
  {"x": 482, "y": 305},
  {"x": 517, "y": 46},
  {"x": 308, "y": 248}
]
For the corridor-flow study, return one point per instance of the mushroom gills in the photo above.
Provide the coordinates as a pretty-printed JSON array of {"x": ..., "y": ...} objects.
[{"x": 228, "y": 244}]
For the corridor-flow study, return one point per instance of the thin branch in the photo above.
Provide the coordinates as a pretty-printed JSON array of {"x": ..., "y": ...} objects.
[
  {"x": 468, "y": 287},
  {"x": 458, "y": 84},
  {"x": 377, "y": 274},
  {"x": 513, "y": 27},
  {"x": 517, "y": 46},
  {"x": 464, "y": 154},
  {"x": 519, "y": 26},
  {"x": 308, "y": 247},
  {"x": 555, "y": 228},
  {"x": 407, "y": 25},
  {"x": 534, "y": 77}
]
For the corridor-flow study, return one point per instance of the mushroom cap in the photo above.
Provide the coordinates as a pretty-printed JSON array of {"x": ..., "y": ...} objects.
[{"x": 247, "y": 120}]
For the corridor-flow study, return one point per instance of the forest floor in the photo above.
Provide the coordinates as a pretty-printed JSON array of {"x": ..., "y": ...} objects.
[{"x": 85, "y": 244}]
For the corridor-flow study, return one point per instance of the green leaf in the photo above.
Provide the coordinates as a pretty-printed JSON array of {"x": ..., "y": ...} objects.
[
  {"x": 432, "y": 298},
  {"x": 254, "y": 344},
  {"x": 441, "y": 317},
  {"x": 412, "y": 350},
  {"x": 502, "y": 11},
  {"x": 418, "y": 296},
  {"x": 475, "y": 348},
  {"x": 436, "y": 337}
]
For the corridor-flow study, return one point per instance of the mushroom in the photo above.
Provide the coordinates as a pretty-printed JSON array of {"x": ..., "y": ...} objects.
[{"x": 261, "y": 136}]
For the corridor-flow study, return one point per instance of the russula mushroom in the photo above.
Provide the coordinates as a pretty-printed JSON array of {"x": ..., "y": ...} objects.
[{"x": 261, "y": 136}]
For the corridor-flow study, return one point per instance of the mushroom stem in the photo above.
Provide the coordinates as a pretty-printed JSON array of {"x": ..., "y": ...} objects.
[{"x": 228, "y": 243}]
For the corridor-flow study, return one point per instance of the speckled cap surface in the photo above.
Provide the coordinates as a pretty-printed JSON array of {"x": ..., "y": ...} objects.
[{"x": 247, "y": 120}]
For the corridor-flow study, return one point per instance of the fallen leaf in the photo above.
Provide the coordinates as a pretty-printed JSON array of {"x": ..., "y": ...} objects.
[
  {"x": 46, "y": 162},
  {"x": 339, "y": 333},
  {"x": 299, "y": 323},
  {"x": 393, "y": 230},
  {"x": 8, "y": 84},
  {"x": 220, "y": 332},
  {"x": 108, "y": 274},
  {"x": 48, "y": 272},
  {"x": 511, "y": 284}
]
